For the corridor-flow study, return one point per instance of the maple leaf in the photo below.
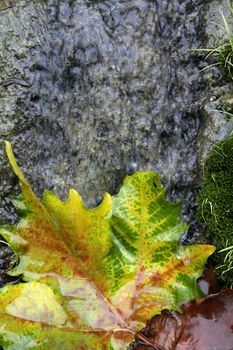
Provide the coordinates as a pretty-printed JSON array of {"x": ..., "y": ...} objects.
[{"x": 94, "y": 276}]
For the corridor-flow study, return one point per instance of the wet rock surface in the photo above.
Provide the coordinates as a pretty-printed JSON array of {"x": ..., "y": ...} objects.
[{"x": 93, "y": 90}]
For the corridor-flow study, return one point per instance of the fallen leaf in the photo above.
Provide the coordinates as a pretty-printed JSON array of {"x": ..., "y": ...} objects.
[{"x": 94, "y": 276}]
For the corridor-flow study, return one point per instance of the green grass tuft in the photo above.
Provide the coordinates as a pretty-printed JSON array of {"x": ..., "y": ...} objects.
[{"x": 221, "y": 54}]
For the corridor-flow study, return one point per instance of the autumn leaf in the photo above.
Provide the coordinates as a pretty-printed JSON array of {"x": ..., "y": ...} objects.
[{"x": 95, "y": 276}]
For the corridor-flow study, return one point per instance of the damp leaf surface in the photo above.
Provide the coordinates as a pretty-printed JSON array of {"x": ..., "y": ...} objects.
[
  {"x": 204, "y": 323},
  {"x": 95, "y": 276}
]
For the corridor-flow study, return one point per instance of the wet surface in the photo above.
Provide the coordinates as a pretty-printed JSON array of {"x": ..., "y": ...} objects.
[
  {"x": 204, "y": 324},
  {"x": 8, "y": 259},
  {"x": 208, "y": 282},
  {"x": 208, "y": 324},
  {"x": 114, "y": 89},
  {"x": 6, "y": 256},
  {"x": 93, "y": 90}
]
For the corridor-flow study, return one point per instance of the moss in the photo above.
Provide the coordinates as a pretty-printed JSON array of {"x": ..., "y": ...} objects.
[{"x": 216, "y": 206}]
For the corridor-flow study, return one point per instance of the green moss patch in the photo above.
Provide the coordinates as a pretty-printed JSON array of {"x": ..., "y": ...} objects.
[{"x": 216, "y": 207}]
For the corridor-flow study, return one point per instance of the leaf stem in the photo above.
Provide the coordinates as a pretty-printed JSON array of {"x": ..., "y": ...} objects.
[{"x": 148, "y": 342}]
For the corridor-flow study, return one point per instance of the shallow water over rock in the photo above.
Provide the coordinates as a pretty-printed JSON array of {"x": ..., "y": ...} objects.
[{"x": 106, "y": 88}]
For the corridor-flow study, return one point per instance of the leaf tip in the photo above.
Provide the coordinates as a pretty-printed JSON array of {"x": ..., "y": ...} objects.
[
  {"x": 13, "y": 163},
  {"x": 212, "y": 249}
]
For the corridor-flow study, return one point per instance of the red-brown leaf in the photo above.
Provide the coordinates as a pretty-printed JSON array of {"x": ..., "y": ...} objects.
[{"x": 205, "y": 324}]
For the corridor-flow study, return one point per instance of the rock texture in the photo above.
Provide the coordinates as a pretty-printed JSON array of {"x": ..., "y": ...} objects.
[{"x": 93, "y": 90}]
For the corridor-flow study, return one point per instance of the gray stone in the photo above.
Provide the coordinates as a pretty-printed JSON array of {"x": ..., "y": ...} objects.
[{"x": 107, "y": 88}]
